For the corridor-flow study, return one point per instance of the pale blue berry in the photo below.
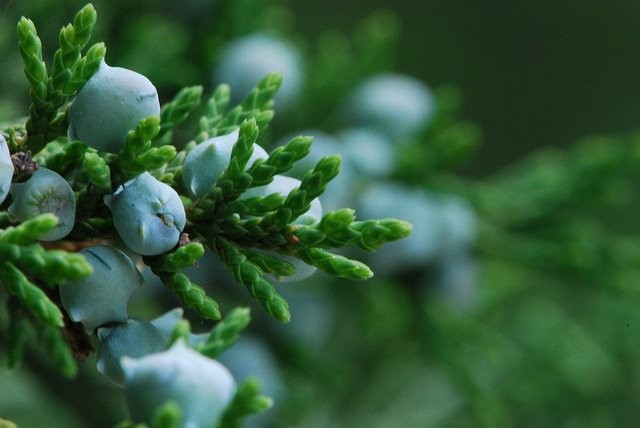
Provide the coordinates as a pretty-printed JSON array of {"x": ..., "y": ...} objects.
[
  {"x": 132, "y": 339},
  {"x": 245, "y": 61},
  {"x": 45, "y": 192},
  {"x": 457, "y": 281},
  {"x": 135, "y": 339},
  {"x": 6, "y": 169},
  {"x": 148, "y": 215},
  {"x": 109, "y": 105},
  {"x": 460, "y": 224},
  {"x": 207, "y": 161},
  {"x": 103, "y": 296},
  {"x": 397, "y": 105},
  {"x": 200, "y": 386},
  {"x": 367, "y": 152},
  {"x": 421, "y": 209}
]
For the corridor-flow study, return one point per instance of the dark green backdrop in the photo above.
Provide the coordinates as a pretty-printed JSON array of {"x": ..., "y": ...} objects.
[{"x": 532, "y": 73}]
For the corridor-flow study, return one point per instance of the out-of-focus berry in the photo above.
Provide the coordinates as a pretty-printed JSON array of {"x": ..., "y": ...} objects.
[{"x": 245, "y": 61}]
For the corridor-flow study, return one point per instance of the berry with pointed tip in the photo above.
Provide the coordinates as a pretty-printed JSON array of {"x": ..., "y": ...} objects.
[
  {"x": 207, "y": 161},
  {"x": 133, "y": 339},
  {"x": 201, "y": 386},
  {"x": 109, "y": 105},
  {"x": 102, "y": 297},
  {"x": 6, "y": 169},
  {"x": 45, "y": 192},
  {"x": 148, "y": 215}
]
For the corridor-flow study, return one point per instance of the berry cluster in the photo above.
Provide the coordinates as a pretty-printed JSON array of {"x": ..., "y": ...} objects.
[{"x": 111, "y": 191}]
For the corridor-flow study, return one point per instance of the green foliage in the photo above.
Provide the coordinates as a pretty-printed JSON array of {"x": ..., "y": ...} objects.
[
  {"x": 252, "y": 277},
  {"x": 97, "y": 170},
  {"x": 50, "y": 91},
  {"x": 192, "y": 295},
  {"x": 340, "y": 228},
  {"x": 176, "y": 111},
  {"x": 183, "y": 257},
  {"x": 280, "y": 160},
  {"x": 225, "y": 333},
  {"x": 30, "y": 295},
  {"x": 247, "y": 401},
  {"x": 335, "y": 264},
  {"x": 219, "y": 120}
]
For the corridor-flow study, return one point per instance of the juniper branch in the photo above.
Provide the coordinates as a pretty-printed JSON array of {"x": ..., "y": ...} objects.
[
  {"x": 280, "y": 160},
  {"x": 225, "y": 333},
  {"x": 184, "y": 256},
  {"x": 251, "y": 276},
  {"x": 298, "y": 201},
  {"x": 339, "y": 228},
  {"x": 247, "y": 401},
  {"x": 335, "y": 264},
  {"x": 176, "y": 111},
  {"x": 97, "y": 170},
  {"x": 214, "y": 112},
  {"x": 59, "y": 351},
  {"x": 191, "y": 294},
  {"x": 29, "y": 294}
]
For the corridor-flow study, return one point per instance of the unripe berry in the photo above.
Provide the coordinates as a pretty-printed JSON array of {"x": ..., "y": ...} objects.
[
  {"x": 109, "y": 105},
  {"x": 102, "y": 297},
  {"x": 45, "y": 192},
  {"x": 201, "y": 386},
  {"x": 6, "y": 169},
  {"x": 148, "y": 215},
  {"x": 207, "y": 161}
]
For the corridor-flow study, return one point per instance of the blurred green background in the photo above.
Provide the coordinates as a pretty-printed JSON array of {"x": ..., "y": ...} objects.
[
  {"x": 531, "y": 73},
  {"x": 553, "y": 337}
]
